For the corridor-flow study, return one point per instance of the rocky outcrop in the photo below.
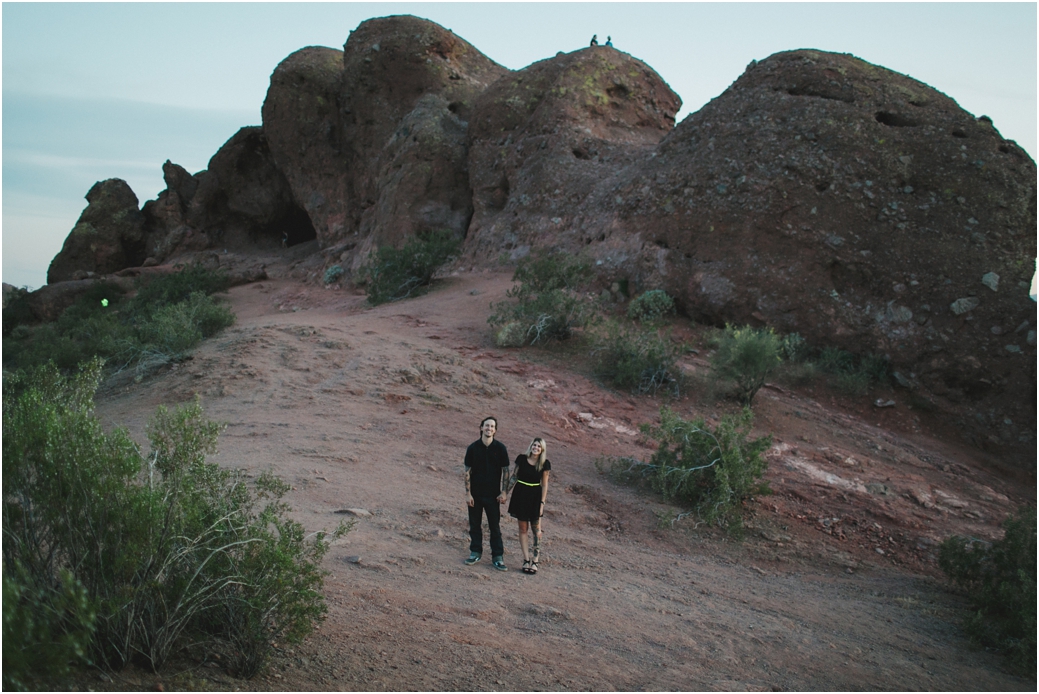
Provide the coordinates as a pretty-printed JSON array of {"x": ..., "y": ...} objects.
[
  {"x": 542, "y": 139},
  {"x": 818, "y": 194},
  {"x": 109, "y": 235},
  {"x": 241, "y": 200},
  {"x": 372, "y": 139},
  {"x": 823, "y": 195}
]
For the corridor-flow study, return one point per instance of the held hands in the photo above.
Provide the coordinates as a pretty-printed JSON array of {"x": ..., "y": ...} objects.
[
  {"x": 469, "y": 500},
  {"x": 501, "y": 498}
]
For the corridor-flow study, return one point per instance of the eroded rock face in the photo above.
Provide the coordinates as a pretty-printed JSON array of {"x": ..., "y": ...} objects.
[
  {"x": 823, "y": 195},
  {"x": 241, "y": 200},
  {"x": 372, "y": 138},
  {"x": 109, "y": 235},
  {"x": 542, "y": 139}
]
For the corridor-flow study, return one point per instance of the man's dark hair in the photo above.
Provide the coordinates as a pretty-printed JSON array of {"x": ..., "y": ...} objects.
[{"x": 492, "y": 418}]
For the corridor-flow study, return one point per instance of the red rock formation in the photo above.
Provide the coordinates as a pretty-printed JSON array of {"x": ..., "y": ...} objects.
[{"x": 108, "y": 236}]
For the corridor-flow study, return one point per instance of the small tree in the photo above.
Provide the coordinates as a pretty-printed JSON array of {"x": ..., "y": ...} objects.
[{"x": 746, "y": 356}]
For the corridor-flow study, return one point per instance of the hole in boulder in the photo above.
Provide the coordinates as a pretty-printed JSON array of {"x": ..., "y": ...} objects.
[
  {"x": 894, "y": 120},
  {"x": 581, "y": 153},
  {"x": 822, "y": 186},
  {"x": 959, "y": 133},
  {"x": 1005, "y": 149}
]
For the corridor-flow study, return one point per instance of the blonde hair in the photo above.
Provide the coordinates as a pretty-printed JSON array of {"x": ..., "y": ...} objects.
[{"x": 544, "y": 452}]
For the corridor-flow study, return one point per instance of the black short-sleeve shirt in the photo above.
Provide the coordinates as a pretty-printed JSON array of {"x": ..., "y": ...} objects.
[{"x": 485, "y": 464}]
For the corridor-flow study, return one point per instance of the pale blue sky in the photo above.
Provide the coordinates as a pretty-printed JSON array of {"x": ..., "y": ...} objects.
[{"x": 94, "y": 91}]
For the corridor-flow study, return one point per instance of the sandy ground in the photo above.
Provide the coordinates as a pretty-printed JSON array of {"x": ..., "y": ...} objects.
[{"x": 367, "y": 413}]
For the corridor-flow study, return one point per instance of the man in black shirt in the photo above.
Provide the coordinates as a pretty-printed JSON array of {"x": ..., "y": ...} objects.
[{"x": 486, "y": 484}]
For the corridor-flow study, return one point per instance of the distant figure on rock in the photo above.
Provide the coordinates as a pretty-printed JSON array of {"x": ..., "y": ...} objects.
[
  {"x": 609, "y": 42},
  {"x": 595, "y": 40}
]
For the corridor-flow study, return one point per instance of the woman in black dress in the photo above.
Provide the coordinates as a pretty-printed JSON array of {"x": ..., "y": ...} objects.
[{"x": 528, "y": 498}]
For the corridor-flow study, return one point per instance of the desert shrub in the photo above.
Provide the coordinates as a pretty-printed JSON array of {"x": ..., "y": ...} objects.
[
  {"x": 155, "y": 291},
  {"x": 547, "y": 305},
  {"x": 711, "y": 471},
  {"x": 794, "y": 348},
  {"x": 1000, "y": 580},
  {"x": 651, "y": 306},
  {"x": 333, "y": 273},
  {"x": 834, "y": 360},
  {"x": 168, "y": 547},
  {"x": 166, "y": 318},
  {"x": 46, "y": 629},
  {"x": 746, "y": 357},
  {"x": 17, "y": 311},
  {"x": 393, "y": 274},
  {"x": 640, "y": 361},
  {"x": 853, "y": 375}
]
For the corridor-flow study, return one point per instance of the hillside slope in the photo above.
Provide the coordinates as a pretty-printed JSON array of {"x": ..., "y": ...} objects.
[{"x": 835, "y": 587}]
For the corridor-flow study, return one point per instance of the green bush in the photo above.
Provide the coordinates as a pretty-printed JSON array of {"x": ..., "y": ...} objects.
[
  {"x": 46, "y": 629},
  {"x": 854, "y": 375},
  {"x": 547, "y": 304},
  {"x": 794, "y": 348},
  {"x": 155, "y": 291},
  {"x": 333, "y": 274},
  {"x": 394, "y": 274},
  {"x": 640, "y": 361},
  {"x": 1000, "y": 579},
  {"x": 171, "y": 550},
  {"x": 746, "y": 356},
  {"x": 166, "y": 318},
  {"x": 651, "y": 306},
  {"x": 712, "y": 471}
]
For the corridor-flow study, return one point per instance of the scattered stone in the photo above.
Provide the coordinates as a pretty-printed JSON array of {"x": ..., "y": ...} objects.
[
  {"x": 901, "y": 380},
  {"x": 964, "y": 305},
  {"x": 1031, "y": 338},
  {"x": 359, "y": 512},
  {"x": 990, "y": 280},
  {"x": 880, "y": 402},
  {"x": 353, "y": 559},
  {"x": 1013, "y": 349}
]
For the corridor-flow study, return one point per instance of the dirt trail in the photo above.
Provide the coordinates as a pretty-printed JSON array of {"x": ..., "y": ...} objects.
[{"x": 370, "y": 410}]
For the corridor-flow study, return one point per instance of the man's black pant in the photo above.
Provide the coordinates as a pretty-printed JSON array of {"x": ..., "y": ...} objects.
[{"x": 476, "y": 511}]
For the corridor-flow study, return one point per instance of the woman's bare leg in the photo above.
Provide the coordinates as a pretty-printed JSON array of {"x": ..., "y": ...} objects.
[
  {"x": 523, "y": 540},
  {"x": 535, "y": 526}
]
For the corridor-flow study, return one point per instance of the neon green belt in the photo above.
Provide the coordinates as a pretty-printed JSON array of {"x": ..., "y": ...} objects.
[{"x": 530, "y": 484}]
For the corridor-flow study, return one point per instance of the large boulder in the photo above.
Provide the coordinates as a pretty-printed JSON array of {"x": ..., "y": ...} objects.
[
  {"x": 542, "y": 139},
  {"x": 863, "y": 209},
  {"x": 372, "y": 138},
  {"x": 109, "y": 235}
]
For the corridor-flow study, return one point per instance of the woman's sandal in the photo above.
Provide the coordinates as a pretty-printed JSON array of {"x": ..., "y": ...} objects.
[
  {"x": 533, "y": 568},
  {"x": 526, "y": 566}
]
